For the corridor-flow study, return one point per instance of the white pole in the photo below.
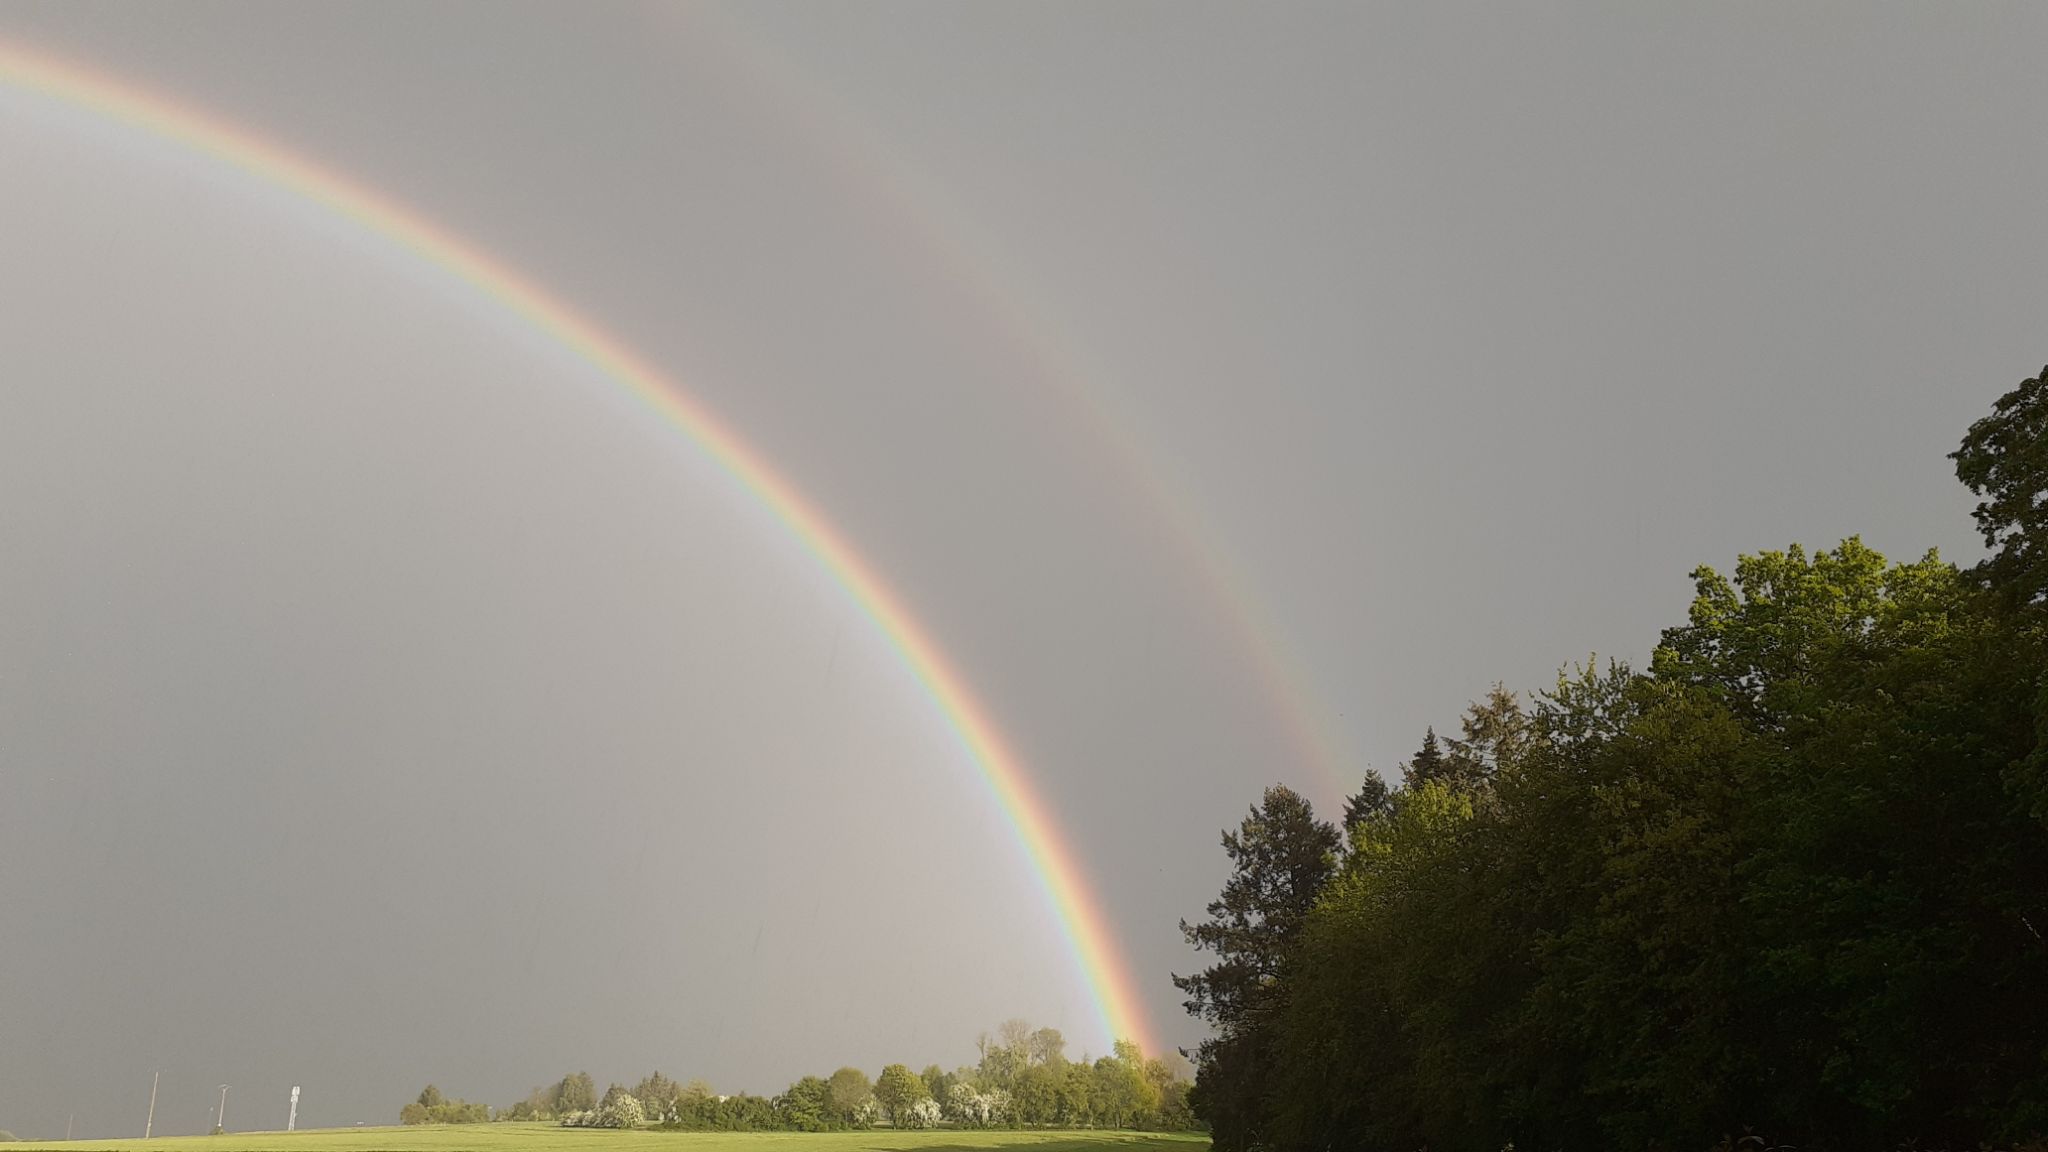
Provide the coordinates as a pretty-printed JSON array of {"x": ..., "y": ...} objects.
[
  {"x": 291, "y": 1122},
  {"x": 150, "y": 1124},
  {"x": 220, "y": 1119}
]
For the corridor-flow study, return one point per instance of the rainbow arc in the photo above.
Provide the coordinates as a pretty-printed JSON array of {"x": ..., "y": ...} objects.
[{"x": 1094, "y": 951}]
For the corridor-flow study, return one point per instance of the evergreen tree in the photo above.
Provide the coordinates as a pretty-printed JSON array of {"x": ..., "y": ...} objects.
[
  {"x": 1371, "y": 800},
  {"x": 1428, "y": 764},
  {"x": 1281, "y": 856}
]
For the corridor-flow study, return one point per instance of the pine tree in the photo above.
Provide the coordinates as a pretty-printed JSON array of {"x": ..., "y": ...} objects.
[{"x": 1283, "y": 856}]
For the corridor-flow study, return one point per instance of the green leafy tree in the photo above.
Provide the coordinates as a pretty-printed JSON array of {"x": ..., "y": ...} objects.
[
  {"x": 1123, "y": 1096},
  {"x": 937, "y": 1082},
  {"x": 657, "y": 1094},
  {"x": 1035, "y": 1098},
  {"x": 1788, "y": 880},
  {"x": 896, "y": 1090},
  {"x": 431, "y": 1107},
  {"x": 576, "y": 1092},
  {"x": 807, "y": 1106},
  {"x": 1075, "y": 1102},
  {"x": 1047, "y": 1046},
  {"x": 2004, "y": 460},
  {"x": 850, "y": 1092},
  {"x": 1170, "y": 1089}
]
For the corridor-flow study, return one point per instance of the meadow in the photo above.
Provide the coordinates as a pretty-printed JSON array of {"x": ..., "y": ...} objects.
[{"x": 536, "y": 1137}]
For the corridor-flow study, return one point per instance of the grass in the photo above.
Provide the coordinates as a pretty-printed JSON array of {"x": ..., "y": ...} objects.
[{"x": 539, "y": 1137}]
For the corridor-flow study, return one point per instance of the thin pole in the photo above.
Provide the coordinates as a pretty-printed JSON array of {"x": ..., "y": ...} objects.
[
  {"x": 220, "y": 1119},
  {"x": 150, "y": 1124}
]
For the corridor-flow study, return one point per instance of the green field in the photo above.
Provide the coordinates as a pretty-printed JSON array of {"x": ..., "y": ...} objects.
[{"x": 536, "y": 1137}]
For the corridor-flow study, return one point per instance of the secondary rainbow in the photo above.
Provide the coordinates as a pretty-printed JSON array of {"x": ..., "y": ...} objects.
[
  {"x": 1094, "y": 950},
  {"x": 1040, "y": 334}
]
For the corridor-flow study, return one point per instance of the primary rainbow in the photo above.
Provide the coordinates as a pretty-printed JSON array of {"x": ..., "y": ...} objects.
[{"x": 1095, "y": 953}]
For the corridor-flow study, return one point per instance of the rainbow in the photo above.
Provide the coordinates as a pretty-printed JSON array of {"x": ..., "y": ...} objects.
[
  {"x": 1094, "y": 951},
  {"x": 1040, "y": 336}
]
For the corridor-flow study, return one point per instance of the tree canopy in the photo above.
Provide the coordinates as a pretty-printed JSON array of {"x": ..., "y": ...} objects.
[{"x": 1788, "y": 880}]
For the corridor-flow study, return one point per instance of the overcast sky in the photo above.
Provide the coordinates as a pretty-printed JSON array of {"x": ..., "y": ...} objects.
[{"x": 1232, "y": 390}]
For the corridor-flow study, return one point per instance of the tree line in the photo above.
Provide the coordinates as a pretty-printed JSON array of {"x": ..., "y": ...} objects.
[
  {"x": 1786, "y": 885},
  {"x": 1022, "y": 1078}
]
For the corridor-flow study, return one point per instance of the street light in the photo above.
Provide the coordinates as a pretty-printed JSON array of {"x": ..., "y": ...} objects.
[{"x": 220, "y": 1118}]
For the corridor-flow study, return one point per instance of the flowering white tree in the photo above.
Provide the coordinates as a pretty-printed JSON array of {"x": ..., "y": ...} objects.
[
  {"x": 977, "y": 1109},
  {"x": 960, "y": 1103},
  {"x": 923, "y": 1114},
  {"x": 621, "y": 1111}
]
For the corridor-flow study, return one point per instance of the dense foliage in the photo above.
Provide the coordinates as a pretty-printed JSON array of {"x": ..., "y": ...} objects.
[
  {"x": 433, "y": 1108},
  {"x": 1792, "y": 879},
  {"x": 1023, "y": 1079}
]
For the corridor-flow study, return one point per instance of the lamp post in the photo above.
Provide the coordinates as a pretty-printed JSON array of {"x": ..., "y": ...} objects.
[{"x": 220, "y": 1118}]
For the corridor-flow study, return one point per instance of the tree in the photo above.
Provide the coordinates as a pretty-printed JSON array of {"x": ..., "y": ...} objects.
[
  {"x": 807, "y": 1106},
  {"x": 896, "y": 1090},
  {"x": 539, "y": 1104},
  {"x": 849, "y": 1092},
  {"x": 977, "y": 1108},
  {"x": 1047, "y": 1046},
  {"x": 657, "y": 1095},
  {"x": 1282, "y": 856},
  {"x": 1075, "y": 1101},
  {"x": 1789, "y": 879},
  {"x": 1035, "y": 1099},
  {"x": 937, "y": 1081},
  {"x": 576, "y": 1092},
  {"x": 923, "y": 1114},
  {"x": 1124, "y": 1098},
  {"x": 1000, "y": 1064},
  {"x": 1428, "y": 764},
  {"x": 2004, "y": 460},
  {"x": 431, "y": 1107},
  {"x": 1496, "y": 734},
  {"x": 619, "y": 1110},
  {"x": 1371, "y": 800},
  {"x": 1170, "y": 1088}
]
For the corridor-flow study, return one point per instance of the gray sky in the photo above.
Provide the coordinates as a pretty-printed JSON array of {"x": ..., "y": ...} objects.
[{"x": 387, "y": 698}]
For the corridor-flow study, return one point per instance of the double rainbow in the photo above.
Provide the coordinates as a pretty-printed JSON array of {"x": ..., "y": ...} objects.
[{"x": 1095, "y": 954}]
